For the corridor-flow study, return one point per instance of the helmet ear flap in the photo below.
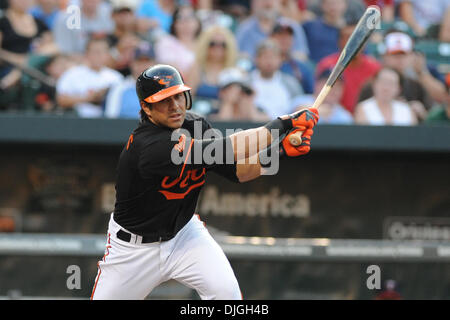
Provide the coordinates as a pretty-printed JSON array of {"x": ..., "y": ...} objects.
[{"x": 188, "y": 97}]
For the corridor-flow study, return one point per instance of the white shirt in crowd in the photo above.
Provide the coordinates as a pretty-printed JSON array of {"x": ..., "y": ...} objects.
[
  {"x": 402, "y": 115},
  {"x": 79, "y": 80},
  {"x": 273, "y": 95}
]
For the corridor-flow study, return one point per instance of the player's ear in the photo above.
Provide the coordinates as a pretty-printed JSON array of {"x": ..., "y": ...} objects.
[{"x": 145, "y": 110}]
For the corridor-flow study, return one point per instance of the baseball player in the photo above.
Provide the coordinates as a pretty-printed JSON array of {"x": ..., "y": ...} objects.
[{"x": 154, "y": 234}]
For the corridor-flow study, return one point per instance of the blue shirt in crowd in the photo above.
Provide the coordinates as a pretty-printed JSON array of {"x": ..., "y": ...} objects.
[
  {"x": 249, "y": 35},
  {"x": 151, "y": 9},
  {"x": 49, "y": 19},
  {"x": 322, "y": 39},
  {"x": 302, "y": 72},
  {"x": 122, "y": 101}
]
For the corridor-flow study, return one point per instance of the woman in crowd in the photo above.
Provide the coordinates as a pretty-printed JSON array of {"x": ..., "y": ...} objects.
[
  {"x": 385, "y": 107},
  {"x": 178, "y": 47},
  {"x": 20, "y": 35},
  {"x": 216, "y": 50}
]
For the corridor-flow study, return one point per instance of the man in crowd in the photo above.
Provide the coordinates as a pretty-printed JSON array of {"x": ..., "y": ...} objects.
[
  {"x": 283, "y": 35},
  {"x": 83, "y": 87},
  {"x": 274, "y": 89},
  {"x": 360, "y": 70}
]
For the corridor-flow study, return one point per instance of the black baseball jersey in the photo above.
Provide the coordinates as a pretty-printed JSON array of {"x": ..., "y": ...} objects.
[{"x": 155, "y": 195}]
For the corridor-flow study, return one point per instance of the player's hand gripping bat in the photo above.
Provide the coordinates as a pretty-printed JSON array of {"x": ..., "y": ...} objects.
[{"x": 366, "y": 24}]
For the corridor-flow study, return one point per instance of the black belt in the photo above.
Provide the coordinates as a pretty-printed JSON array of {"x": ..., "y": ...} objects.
[{"x": 125, "y": 236}]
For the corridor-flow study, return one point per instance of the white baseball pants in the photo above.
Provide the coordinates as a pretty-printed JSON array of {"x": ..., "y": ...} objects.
[{"x": 131, "y": 270}]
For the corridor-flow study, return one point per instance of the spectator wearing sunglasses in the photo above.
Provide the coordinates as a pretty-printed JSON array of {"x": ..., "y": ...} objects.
[{"x": 216, "y": 50}]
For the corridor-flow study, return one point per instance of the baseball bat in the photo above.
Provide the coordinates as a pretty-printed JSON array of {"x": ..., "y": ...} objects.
[{"x": 366, "y": 24}]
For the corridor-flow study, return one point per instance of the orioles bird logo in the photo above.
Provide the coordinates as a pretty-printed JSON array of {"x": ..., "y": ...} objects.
[{"x": 165, "y": 80}]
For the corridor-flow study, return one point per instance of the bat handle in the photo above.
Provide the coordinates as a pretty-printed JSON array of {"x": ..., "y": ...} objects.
[{"x": 295, "y": 139}]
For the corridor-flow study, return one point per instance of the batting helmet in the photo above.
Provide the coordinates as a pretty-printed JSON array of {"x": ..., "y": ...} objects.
[{"x": 159, "y": 82}]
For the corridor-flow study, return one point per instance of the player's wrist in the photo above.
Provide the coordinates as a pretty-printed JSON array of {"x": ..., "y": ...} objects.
[{"x": 279, "y": 124}]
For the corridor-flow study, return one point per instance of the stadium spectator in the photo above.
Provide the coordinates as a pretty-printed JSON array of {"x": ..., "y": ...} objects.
[
  {"x": 292, "y": 9},
  {"x": 354, "y": 9},
  {"x": 258, "y": 27},
  {"x": 21, "y": 34},
  {"x": 83, "y": 87},
  {"x": 385, "y": 108},
  {"x": 42, "y": 96},
  {"x": 440, "y": 114},
  {"x": 274, "y": 89},
  {"x": 124, "y": 38},
  {"x": 322, "y": 33},
  {"x": 216, "y": 50},
  {"x": 95, "y": 19},
  {"x": 124, "y": 20},
  {"x": 283, "y": 35},
  {"x": 121, "y": 101},
  {"x": 237, "y": 98},
  {"x": 424, "y": 16},
  {"x": 178, "y": 47},
  {"x": 331, "y": 111},
  {"x": 237, "y": 9},
  {"x": 419, "y": 85},
  {"x": 360, "y": 70},
  {"x": 155, "y": 14}
]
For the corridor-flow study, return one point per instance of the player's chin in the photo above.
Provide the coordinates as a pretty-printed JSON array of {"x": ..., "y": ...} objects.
[{"x": 175, "y": 121}]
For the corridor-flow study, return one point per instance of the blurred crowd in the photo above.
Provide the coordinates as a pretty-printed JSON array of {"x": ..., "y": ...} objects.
[{"x": 245, "y": 60}]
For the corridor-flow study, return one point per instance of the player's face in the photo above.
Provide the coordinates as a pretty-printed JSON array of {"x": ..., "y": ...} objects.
[{"x": 169, "y": 112}]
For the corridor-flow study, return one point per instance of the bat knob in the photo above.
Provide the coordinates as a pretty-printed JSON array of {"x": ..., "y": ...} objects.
[{"x": 295, "y": 139}]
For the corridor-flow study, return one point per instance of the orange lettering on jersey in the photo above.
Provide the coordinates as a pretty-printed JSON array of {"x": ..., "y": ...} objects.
[
  {"x": 194, "y": 176},
  {"x": 166, "y": 185},
  {"x": 180, "y": 184},
  {"x": 130, "y": 141},
  {"x": 184, "y": 183},
  {"x": 173, "y": 195}
]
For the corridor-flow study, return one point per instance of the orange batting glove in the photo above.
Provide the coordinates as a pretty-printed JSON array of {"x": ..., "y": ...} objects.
[
  {"x": 307, "y": 118},
  {"x": 302, "y": 121}
]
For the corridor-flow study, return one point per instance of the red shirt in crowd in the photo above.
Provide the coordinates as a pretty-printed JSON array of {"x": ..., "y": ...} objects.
[{"x": 357, "y": 73}]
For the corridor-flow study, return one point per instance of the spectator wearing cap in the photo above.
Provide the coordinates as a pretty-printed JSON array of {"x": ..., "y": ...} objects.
[
  {"x": 274, "y": 89},
  {"x": 237, "y": 98},
  {"x": 331, "y": 111},
  {"x": 124, "y": 19},
  {"x": 283, "y": 35},
  {"x": 422, "y": 16},
  {"x": 360, "y": 70},
  {"x": 121, "y": 101},
  {"x": 124, "y": 39},
  {"x": 259, "y": 26},
  {"x": 83, "y": 88},
  {"x": 322, "y": 33},
  {"x": 400, "y": 55},
  {"x": 385, "y": 107},
  {"x": 95, "y": 20},
  {"x": 419, "y": 87},
  {"x": 216, "y": 50}
]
